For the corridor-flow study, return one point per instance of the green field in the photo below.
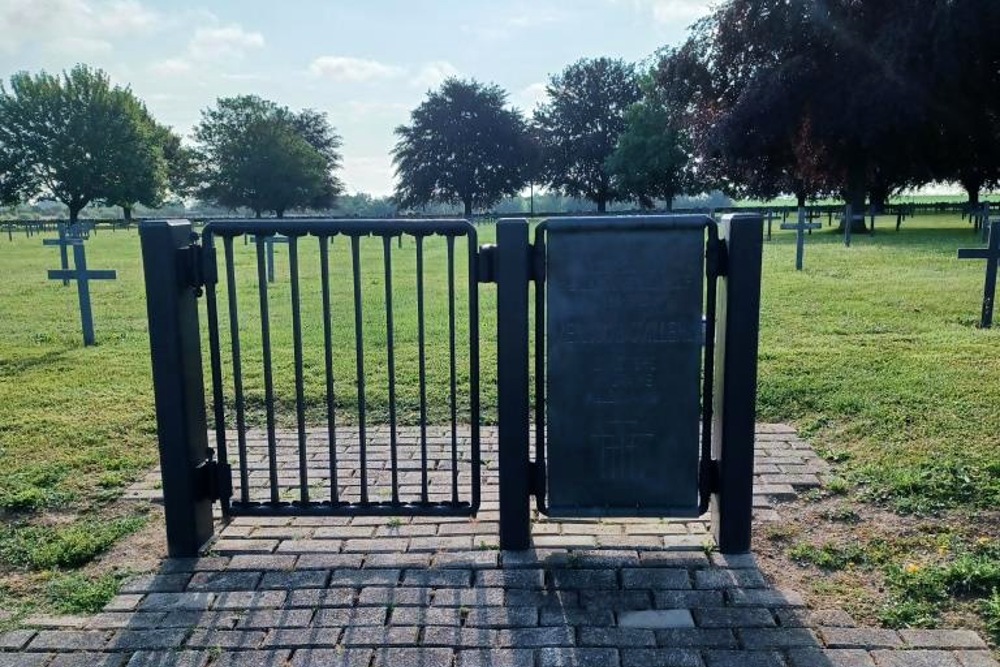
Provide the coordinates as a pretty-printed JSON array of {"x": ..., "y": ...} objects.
[{"x": 873, "y": 352}]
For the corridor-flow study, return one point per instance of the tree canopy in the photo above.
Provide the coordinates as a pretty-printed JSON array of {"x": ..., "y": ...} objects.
[
  {"x": 77, "y": 139},
  {"x": 580, "y": 125},
  {"x": 462, "y": 145},
  {"x": 253, "y": 153}
]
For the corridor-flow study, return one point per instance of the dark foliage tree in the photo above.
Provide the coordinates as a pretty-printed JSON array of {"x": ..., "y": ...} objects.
[
  {"x": 815, "y": 95},
  {"x": 77, "y": 134},
  {"x": 17, "y": 182},
  {"x": 462, "y": 145},
  {"x": 142, "y": 178},
  {"x": 253, "y": 153},
  {"x": 580, "y": 125}
]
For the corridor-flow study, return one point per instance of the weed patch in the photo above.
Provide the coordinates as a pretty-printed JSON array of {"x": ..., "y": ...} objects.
[
  {"x": 79, "y": 594},
  {"x": 36, "y": 547}
]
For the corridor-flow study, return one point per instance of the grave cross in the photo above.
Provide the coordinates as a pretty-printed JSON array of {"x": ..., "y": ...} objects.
[
  {"x": 770, "y": 217},
  {"x": 269, "y": 242},
  {"x": 800, "y": 236},
  {"x": 64, "y": 241},
  {"x": 83, "y": 277},
  {"x": 992, "y": 255}
]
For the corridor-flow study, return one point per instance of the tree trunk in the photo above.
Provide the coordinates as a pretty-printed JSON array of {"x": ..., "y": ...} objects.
[
  {"x": 532, "y": 203},
  {"x": 855, "y": 196},
  {"x": 602, "y": 205},
  {"x": 127, "y": 212},
  {"x": 468, "y": 207},
  {"x": 973, "y": 184},
  {"x": 280, "y": 213},
  {"x": 800, "y": 199},
  {"x": 256, "y": 213},
  {"x": 669, "y": 201},
  {"x": 878, "y": 195}
]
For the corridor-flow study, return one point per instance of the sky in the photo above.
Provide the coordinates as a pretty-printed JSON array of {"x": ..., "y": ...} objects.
[{"x": 366, "y": 63}]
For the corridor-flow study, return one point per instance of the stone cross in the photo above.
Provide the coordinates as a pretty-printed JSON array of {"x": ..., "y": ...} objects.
[
  {"x": 991, "y": 254},
  {"x": 801, "y": 227},
  {"x": 269, "y": 242},
  {"x": 83, "y": 277}
]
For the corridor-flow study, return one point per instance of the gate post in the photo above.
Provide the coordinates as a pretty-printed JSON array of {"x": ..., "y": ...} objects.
[
  {"x": 512, "y": 275},
  {"x": 734, "y": 403},
  {"x": 178, "y": 384}
]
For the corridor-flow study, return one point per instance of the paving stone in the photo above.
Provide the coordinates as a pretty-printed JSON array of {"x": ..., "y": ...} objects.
[
  {"x": 337, "y": 657},
  {"x": 511, "y": 578},
  {"x": 656, "y": 619},
  {"x": 114, "y": 620},
  {"x": 577, "y": 657},
  {"x": 654, "y": 577},
  {"x": 68, "y": 640},
  {"x": 240, "y": 546},
  {"x": 616, "y": 600},
  {"x": 583, "y": 579},
  {"x": 542, "y": 599},
  {"x": 301, "y": 637},
  {"x": 868, "y": 638},
  {"x": 516, "y": 657},
  {"x": 252, "y": 659},
  {"x": 798, "y": 618},
  {"x": 743, "y": 659},
  {"x": 719, "y": 638},
  {"x": 437, "y": 578},
  {"x": 89, "y": 660},
  {"x": 156, "y": 583},
  {"x": 123, "y": 602},
  {"x": 398, "y": 561},
  {"x": 844, "y": 657},
  {"x": 660, "y": 657},
  {"x": 168, "y": 659},
  {"x": 319, "y": 597},
  {"x": 976, "y": 659},
  {"x": 276, "y": 618},
  {"x": 687, "y": 599},
  {"x": 535, "y": 637},
  {"x": 143, "y": 640},
  {"x": 737, "y": 617},
  {"x": 329, "y": 561},
  {"x": 470, "y": 597},
  {"x": 576, "y": 616},
  {"x": 673, "y": 559},
  {"x": 262, "y": 562},
  {"x": 177, "y": 601},
  {"x": 380, "y": 636},
  {"x": 227, "y": 639},
  {"x": 764, "y": 597},
  {"x": 295, "y": 579},
  {"x": 249, "y": 600},
  {"x": 473, "y": 560},
  {"x": 24, "y": 659},
  {"x": 718, "y": 578},
  {"x": 452, "y": 636},
  {"x": 953, "y": 639},
  {"x": 919, "y": 658},
  {"x": 778, "y": 638},
  {"x": 452, "y": 616},
  {"x": 227, "y": 580},
  {"x": 618, "y": 637},
  {"x": 501, "y": 617},
  {"x": 378, "y": 595},
  {"x": 176, "y": 565},
  {"x": 222, "y": 620},
  {"x": 359, "y": 578},
  {"x": 348, "y": 616},
  {"x": 413, "y": 657},
  {"x": 15, "y": 639}
]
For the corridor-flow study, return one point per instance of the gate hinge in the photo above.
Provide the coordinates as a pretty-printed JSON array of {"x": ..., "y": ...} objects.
[
  {"x": 197, "y": 267},
  {"x": 213, "y": 480},
  {"x": 536, "y": 479},
  {"x": 486, "y": 264},
  {"x": 716, "y": 258}
]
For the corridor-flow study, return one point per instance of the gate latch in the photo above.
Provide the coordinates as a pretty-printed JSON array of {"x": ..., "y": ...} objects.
[
  {"x": 196, "y": 267},
  {"x": 213, "y": 481}
]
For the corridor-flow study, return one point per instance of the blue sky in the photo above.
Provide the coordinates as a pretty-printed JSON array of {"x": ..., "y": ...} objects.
[{"x": 365, "y": 63}]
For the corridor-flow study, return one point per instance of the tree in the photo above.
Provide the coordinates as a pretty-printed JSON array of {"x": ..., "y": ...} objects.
[
  {"x": 815, "y": 95},
  {"x": 16, "y": 177},
  {"x": 254, "y": 153},
  {"x": 142, "y": 177},
  {"x": 651, "y": 159},
  {"x": 580, "y": 125},
  {"x": 462, "y": 145},
  {"x": 76, "y": 134},
  {"x": 180, "y": 163}
]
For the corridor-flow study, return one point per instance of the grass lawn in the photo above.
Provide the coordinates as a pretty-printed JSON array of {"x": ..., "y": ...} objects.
[{"x": 872, "y": 351}]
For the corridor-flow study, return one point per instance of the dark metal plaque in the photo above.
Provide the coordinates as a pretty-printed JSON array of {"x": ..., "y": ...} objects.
[{"x": 624, "y": 355}]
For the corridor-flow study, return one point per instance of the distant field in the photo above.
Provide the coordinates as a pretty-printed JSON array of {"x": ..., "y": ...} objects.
[{"x": 872, "y": 351}]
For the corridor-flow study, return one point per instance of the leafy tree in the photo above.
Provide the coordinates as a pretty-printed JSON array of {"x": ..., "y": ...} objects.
[
  {"x": 142, "y": 177},
  {"x": 257, "y": 154},
  {"x": 180, "y": 163},
  {"x": 462, "y": 145},
  {"x": 76, "y": 134},
  {"x": 16, "y": 177},
  {"x": 580, "y": 125},
  {"x": 651, "y": 159}
]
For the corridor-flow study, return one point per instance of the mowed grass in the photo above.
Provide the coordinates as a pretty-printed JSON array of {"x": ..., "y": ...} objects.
[{"x": 873, "y": 351}]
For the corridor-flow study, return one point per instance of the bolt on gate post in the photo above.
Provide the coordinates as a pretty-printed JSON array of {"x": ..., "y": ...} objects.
[{"x": 168, "y": 254}]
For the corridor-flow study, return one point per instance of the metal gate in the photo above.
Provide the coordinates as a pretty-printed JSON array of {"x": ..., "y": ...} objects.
[{"x": 282, "y": 372}]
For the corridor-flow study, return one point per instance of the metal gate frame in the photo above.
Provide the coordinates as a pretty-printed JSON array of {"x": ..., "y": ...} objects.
[{"x": 177, "y": 271}]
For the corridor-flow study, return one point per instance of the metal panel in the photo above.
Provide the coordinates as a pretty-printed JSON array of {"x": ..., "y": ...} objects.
[{"x": 624, "y": 343}]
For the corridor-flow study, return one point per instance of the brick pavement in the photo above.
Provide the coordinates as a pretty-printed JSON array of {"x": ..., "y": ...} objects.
[{"x": 367, "y": 592}]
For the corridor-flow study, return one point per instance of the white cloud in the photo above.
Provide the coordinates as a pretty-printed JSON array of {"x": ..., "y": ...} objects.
[
  {"x": 79, "y": 46},
  {"x": 433, "y": 74},
  {"x": 353, "y": 70},
  {"x": 94, "y": 24},
  {"x": 170, "y": 67},
  {"x": 530, "y": 96},
  {"x": 230, "y": 41},
  {"x": 672, "y": 11}
]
